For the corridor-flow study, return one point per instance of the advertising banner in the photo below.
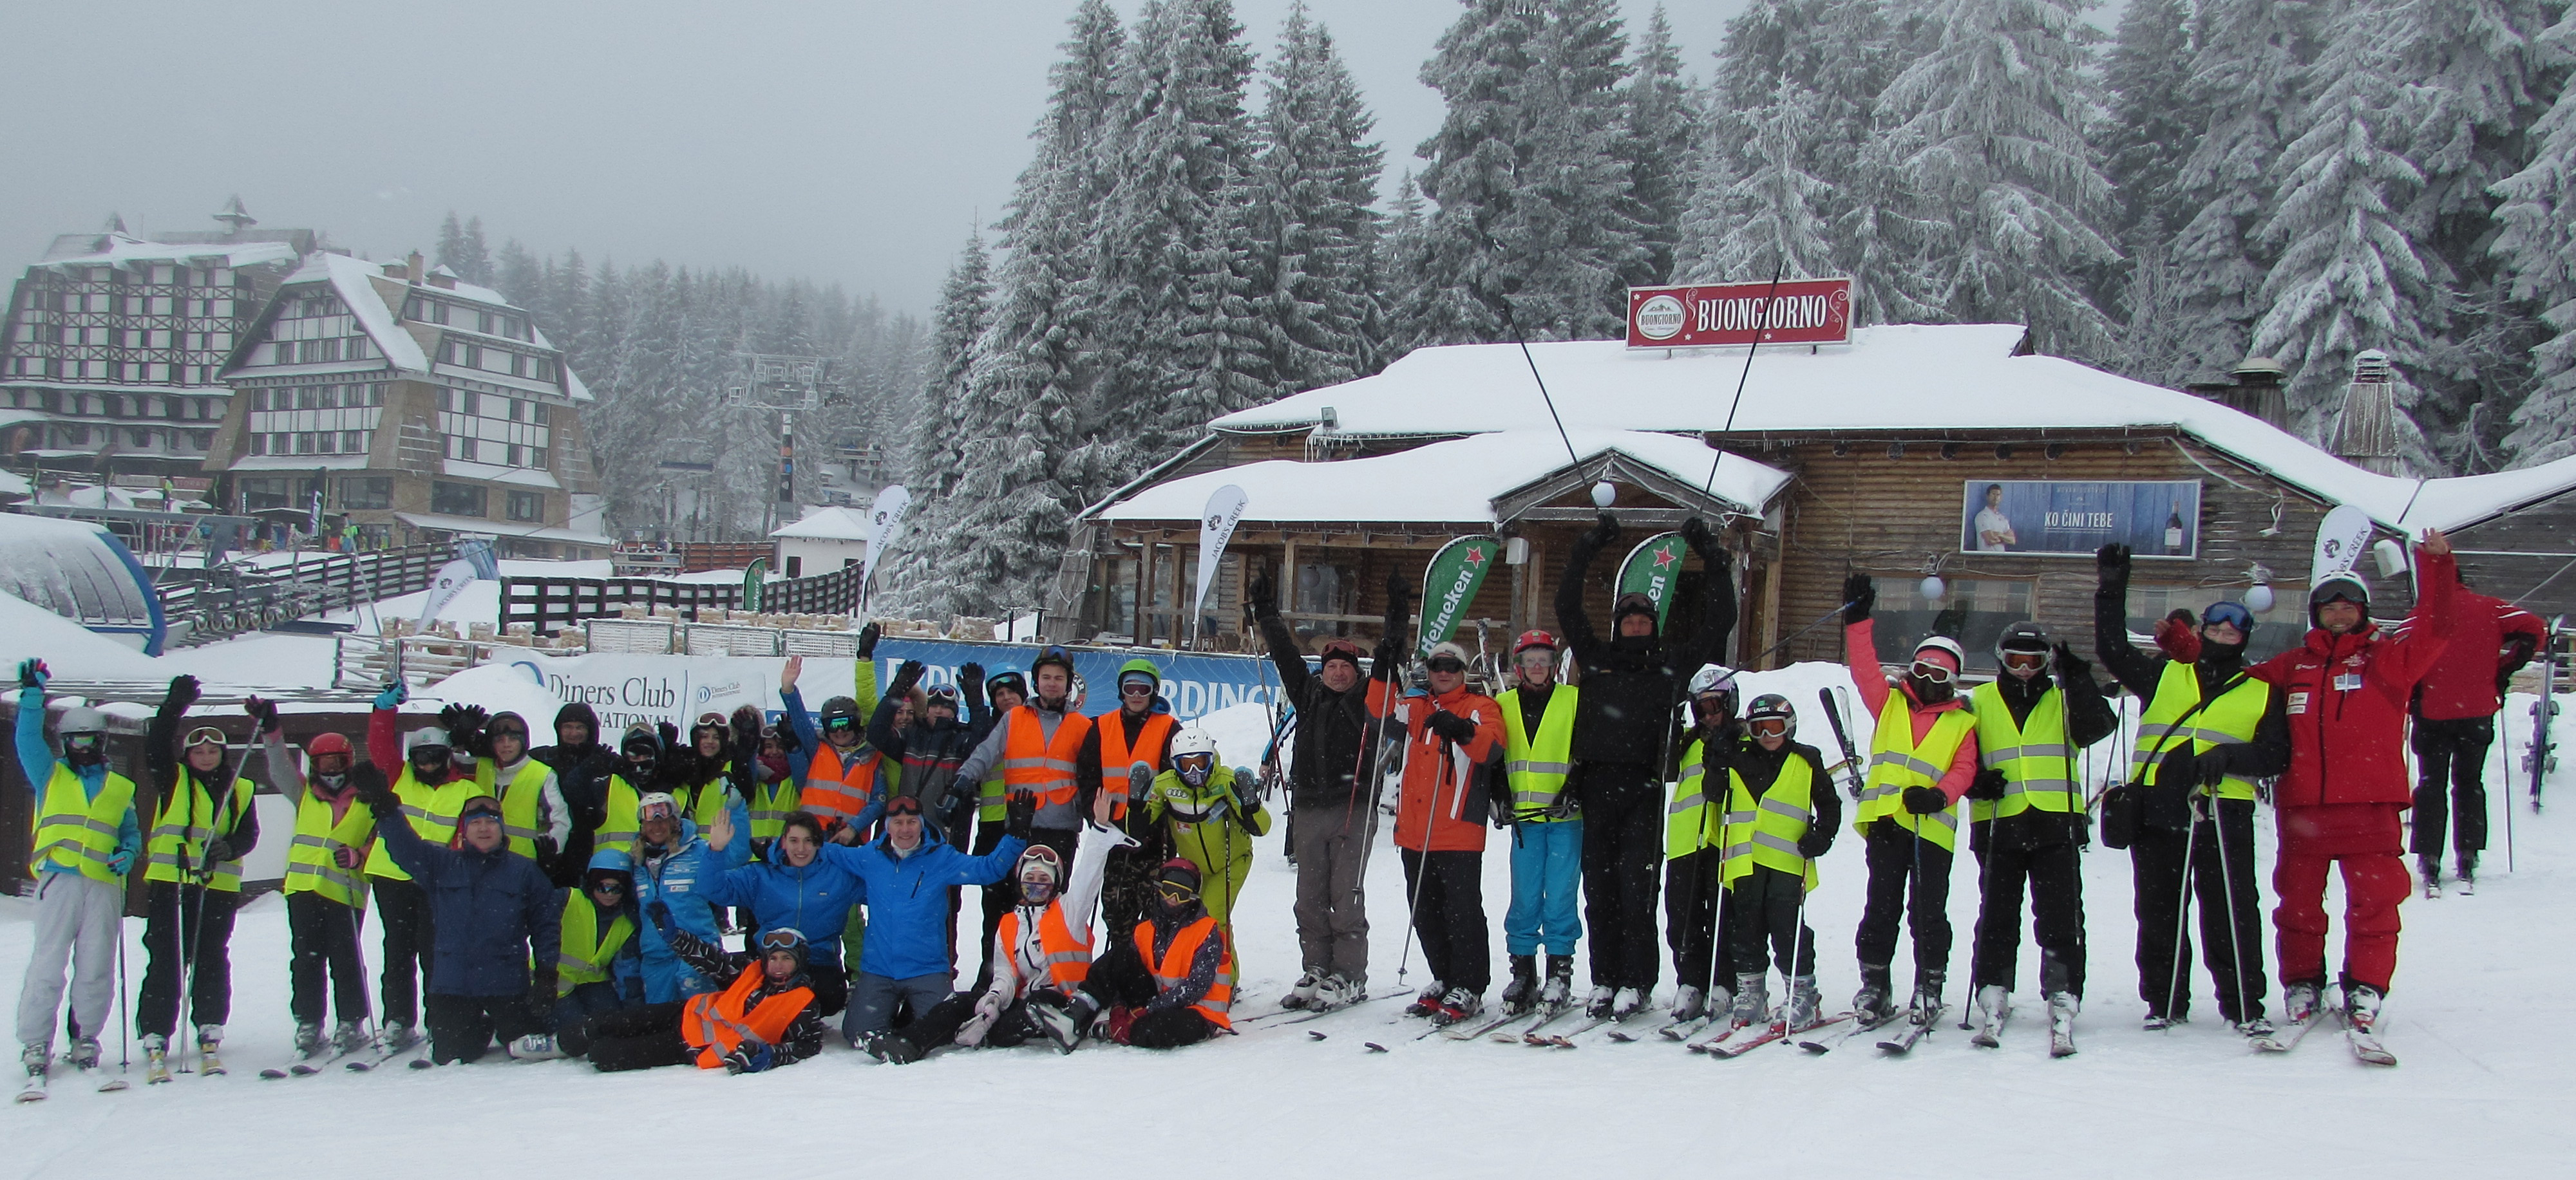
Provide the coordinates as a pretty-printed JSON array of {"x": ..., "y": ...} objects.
[
  {"x": 1651, "y": 569},
  {"x": 2073, "y": 518},
  {"x": 1800, "y": 311},
  {"x": 1449, "y": 587},
  {"x": 885, "y": 522},
  {"x": 1216, "y": 527}
]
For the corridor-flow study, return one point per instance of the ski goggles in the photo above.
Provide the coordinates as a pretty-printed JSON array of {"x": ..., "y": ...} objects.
[
  {"x": 942, "y": 694},
  {"x": 2229, "y": 614},
  {"x": 203, "y": 735},
  {"x": 1007, "y": 682},
  {"x": 2032, "y": 660},
  {"x": 478, "y": 811},
  {"x": 656, "y": 810},
  {"x": 838, "y": 722},
  {"x": 709, "y": 721},
  {"x": 608, "y": 885},
  {"x": 1175, "y": 892},
  {"x": 1194, "y": 764},
  {"x": 1447, "y": 664},
  {"x": 1934, "y": 673},
  {"x": 1768, "y": 726},
  {"x": 85, "y": 742},
  {"x": 1136, "y": 688},
  {"x": 506, "y": 729},
  {"x": 782, "y": 940}
]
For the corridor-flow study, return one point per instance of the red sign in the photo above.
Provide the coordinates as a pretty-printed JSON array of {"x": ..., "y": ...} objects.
[{"x": 1801, "y": 311}]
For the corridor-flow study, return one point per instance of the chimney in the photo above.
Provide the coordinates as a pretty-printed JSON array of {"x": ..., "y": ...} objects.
[
  {"x": 442, "y": 278},
  {"x": 411, "y": 268},
  {"x": 2365, "y": 434},
  {"x": 235, "y": 217},
  {"x": 2253, "y": 387}
]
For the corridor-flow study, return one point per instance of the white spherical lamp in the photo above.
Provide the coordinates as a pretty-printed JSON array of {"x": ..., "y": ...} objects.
[
  {"x": 1932, "y": 588},
  {"x": 1603, "y": 493},
  {"x": 2258, "y": 598}
]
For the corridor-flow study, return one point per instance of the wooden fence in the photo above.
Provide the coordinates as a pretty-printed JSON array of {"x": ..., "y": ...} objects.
[{"x": 552, "y": 604}]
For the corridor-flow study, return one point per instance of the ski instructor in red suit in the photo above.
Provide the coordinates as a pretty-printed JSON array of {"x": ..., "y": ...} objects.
[{"x": 2346, "y": 690}]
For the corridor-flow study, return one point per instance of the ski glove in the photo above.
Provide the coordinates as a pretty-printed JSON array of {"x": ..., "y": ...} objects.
[
  {"x": 868, "y": 641},
  {"x": 2111, "y": 566},
  {"x": 1602, "y": 534},
  {"x": 183, "y": 693},
  {"x": 1452, "y": 727},
  {"x": 906, "y": 677},
  {"x": 1695, "y": 532},
  {"x": 2211, "y": 765},
  {"x": 1860, "y": 595},
  {"x": 753, "y": 1055},
  {"x": 347, "y": 858},
  {"x": 393, "y": 696},
  {"x": 541, "y": 988},
  {"x": 32, "y": 673},
  {"x": 1988, "y": 786},
  {"x": 1264, "y": 594},
  {"x": 1019, "y": 810},
  {"x": 1926, "y": 800},
  {"x": 120, "y": 860},
  {"x": 217, "y": 852},
  {"x": 263, "y": 713},
  {"x": 970, "y": 686},
  {"x": 658, "y": 912},
  {"x": 2069, "y": 666},
  {"x": 1818, "y": 841}
]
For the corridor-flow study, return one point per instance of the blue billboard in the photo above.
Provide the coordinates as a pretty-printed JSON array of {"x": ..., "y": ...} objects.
[{"x": 2073, "y": 518}]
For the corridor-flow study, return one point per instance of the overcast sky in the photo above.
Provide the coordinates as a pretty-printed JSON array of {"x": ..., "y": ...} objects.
[{"x": 853, "y": 142}]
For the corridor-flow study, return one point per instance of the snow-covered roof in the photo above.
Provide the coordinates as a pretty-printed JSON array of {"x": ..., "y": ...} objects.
[
  {"x": 832, "y": 524},
  {"x": 125, "y": 251},
  {"x": 532, "y": 477},
  {"x": 501, "y": 528},
  {"x": 2461, "y": 501},
  {"x": 1890, "y": 377},
  {"x": 1457, "y": 480},
  {"x": 353, "y": 281}
]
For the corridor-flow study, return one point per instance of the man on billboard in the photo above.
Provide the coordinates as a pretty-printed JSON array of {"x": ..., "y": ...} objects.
[{"x": 1994, "y": 530}]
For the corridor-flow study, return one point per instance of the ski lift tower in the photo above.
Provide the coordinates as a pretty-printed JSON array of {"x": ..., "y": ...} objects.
[{"x": 786, "y": 384}]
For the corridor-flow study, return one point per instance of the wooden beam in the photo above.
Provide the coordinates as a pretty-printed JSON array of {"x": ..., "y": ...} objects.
[{"x": 1628, "y": 517}]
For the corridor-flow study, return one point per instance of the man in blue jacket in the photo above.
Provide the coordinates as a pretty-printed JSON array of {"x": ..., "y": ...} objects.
[
  {"x": 796, "y": 888},
  {"x": 907, "y": 872},
  {"x": 494, "y": 912}
]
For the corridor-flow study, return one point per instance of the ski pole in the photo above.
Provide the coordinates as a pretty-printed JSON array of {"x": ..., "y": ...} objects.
[
  {"x": 2504, "y": 734},
  {"x": 124, "y": 1023},
  {"x": 2182, "y": 920},
  {"x": 2227, "y": 883},
  {"x": 1413, "y": 908}
]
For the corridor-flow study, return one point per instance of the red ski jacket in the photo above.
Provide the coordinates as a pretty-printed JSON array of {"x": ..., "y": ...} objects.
[
  {"x": 2462, "y": 683},
  {"x": 2346, "y": 696}
]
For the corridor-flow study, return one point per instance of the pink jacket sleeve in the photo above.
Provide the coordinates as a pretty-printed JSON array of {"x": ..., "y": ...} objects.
[{"x": 1860, "y": 651}]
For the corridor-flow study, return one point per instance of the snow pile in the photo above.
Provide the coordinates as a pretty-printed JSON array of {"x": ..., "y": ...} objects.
[{"x": 73, "y": 652}]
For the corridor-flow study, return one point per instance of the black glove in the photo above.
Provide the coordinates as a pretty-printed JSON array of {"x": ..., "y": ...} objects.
[
  {"x": 32, "y": 673},
  {"x": 1264, "y": 594},
  {"x": 868, "y": 641},
  {"x": 1695, "y": 532},
  {"x": 1019, "y": 811},
  {"x": 369, "y": 785},
  {"x": 1452, "y": 726},
  {"x": 1988, "y": 786},
  {"x": 1926, "y": 800},
  {"x": 746, "y": 726},
  {"x": 1602, "y": 534},
  {"x": 659, "y": 913},
  {"x": 2111, "y": 567},
  {"x": 2210, "y": 766},
  {"x": 670, "y": 735},
  {"x": 183, "y": 693},
  {"x": 970, "y": 685},
  {"x": 263, "y": 714},
  {"x": 1818, "y": 841},
  {"x": 546, "y": 849},
  {"x": 464, "y": 725},
  {"x": 541, "y": 988},
  {"x": 906, "y": 677},
  {"x": 2069, "y": 666},
  {"x": 1860, "y": 595},
  {"x": 218, "y": 850}
]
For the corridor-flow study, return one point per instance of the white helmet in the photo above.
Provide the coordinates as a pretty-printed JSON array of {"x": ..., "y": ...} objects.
[
  {"x": 1943, "y": 643},
  {"x": 1712, "y": 678},
  {"x": 81, "y": 719},
  {"x": 1193, "y": 741}
]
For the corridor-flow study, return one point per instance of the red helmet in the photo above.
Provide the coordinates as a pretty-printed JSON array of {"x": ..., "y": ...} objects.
[
  {"x": 1530, "y": 639},
  {"x": 327, "y": 743}
]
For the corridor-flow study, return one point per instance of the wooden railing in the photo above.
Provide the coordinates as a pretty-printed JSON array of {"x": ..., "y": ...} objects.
[
  {"x": 229, "y": 600},
  {"x": 552, "y": 604}
]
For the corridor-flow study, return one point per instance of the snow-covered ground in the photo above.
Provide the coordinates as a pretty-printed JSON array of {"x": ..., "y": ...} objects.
[{"x": 2480, "y": 1093}]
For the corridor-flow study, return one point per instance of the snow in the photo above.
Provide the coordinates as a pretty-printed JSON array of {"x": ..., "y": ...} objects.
[
  {"x": 1890, "y": 377},
  {"x": 2461, "y": 501},
  {"x": 502, "y": 528},
  {"x": 260, "y": 659},
  {"x": 2480, "y": 1093},
  {"x": 829, "y": 524},
  {"x": 74, "y": 652},
  {"x": 1445, "y": 481},
  {"x": 127, "y": 251},
  {"x": 355, "y": 282}
]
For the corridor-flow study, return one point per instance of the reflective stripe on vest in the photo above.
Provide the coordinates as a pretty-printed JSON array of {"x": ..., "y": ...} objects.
[
  {"x": 992, "y": 806},
  {"x": 309, "y": 864},
  {"x": 1033, "y": 762},
  {"x": 521, "y": 801},
  {"x": 714, "y": 1022},
  {"x": 618, "y": 826},
  {"x": 78, "y": 832},
  {"x": 189, "y": 820},
  {"x": 432, "y": 812},
  {"x": 771, "y": 804},
  {"x": 1896, "y": 762},
  {"x": 1067, "y": 959},
  {"x": 2034, "y": 757},
  {"x": 1152, "y": 742},
  {"x": 585, "y": 954},
  {"x": 1767, "y": 833},
  {"x": 1174, "y": 969},
  {"x": 836, "y": 789},
  {"x": 1537, "y": 766},
  {"x": 2229, "y": 720},
  {"x": 1686, "y": 818}
]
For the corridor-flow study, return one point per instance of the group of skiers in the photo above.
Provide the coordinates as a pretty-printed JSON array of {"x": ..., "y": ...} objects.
[{"x": 572, "y": 899}]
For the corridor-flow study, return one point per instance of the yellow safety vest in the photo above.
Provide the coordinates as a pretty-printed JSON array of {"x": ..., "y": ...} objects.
[
  {"x": 2229, "y": 720},
  {"x": 587, "y": 953},
  {"x": 522, "y": 802},
  {"x": 1766, "y": 832},
  {"x": 618, "y": 825},
  {"x": 432, "y": 813},
  {"x": 76, "y": 831},
  {"x": 2036, "y": 758},
  {"x": 995, "y": 804},
  {"x": 1896, "y": 762},
  {"x": 309, "y": 867},
  {"x": 705, "y": 801},
  {"x": 771, "y": 804},
  {"x": 190, "y": 817},
  {"x": 1686, "y": 818},
  {"x": 1536, "y": 768}
]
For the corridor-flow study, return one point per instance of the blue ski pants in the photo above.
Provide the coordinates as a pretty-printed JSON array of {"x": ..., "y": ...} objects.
[{"x": 1547, "y": 867}]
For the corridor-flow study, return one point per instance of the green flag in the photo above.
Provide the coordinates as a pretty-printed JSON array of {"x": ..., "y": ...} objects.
[
  {"x": 1449, "y": 587},
  {"x": 1651, "y": 569},
  {"x": 752, "y": 577}
]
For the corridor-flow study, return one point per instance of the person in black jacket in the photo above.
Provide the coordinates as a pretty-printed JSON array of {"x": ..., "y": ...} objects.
[
  {"x": 1623, "y": 733},
  {"x": 202, "y": 826},
  {"x": 582, "y": 766},
  {"x": 494, "y": 912},
  {"x": 1332, "y": 810}
]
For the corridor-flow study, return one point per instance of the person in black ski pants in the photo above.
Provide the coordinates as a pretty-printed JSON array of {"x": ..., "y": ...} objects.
[
  {"x": 1623, "y": 739},
  {"x": 582, "y": 766}
]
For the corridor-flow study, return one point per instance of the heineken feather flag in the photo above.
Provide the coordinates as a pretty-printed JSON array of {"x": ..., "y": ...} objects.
[
  {"x": 1651, "y": 569},
  {"x": 1450, "y": 586}
]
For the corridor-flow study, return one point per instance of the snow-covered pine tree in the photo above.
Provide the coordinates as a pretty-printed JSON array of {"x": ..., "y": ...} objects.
[
  {"x": 567, "y": 311},
  {"x": 1992, "y": 118},
  {"x": 1532, "y": 231},
  {"x": 938, "y": 420},
  {"x": 1320, "y": 304},
  {"x": 1756, "y": 209},
  {"x": 2248, "y": 70},
  {"x": 1662, "y": 122},
  {"x": 2153, "y": 128},
  {"x": 640, "y": 406},
  {"x": 2536, "y": 246},
  {"x": 2349, "y": 275},
  {"x": 1399, "y": 267},
  {"x": 475, "y": 255},
  {"x": 451, "y": 244},
  {"x": 517, "y": 275}
]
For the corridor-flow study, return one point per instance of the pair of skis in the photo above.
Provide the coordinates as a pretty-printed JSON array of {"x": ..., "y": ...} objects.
[
  {"x": 2366, "y": 1047},
  {"x": 2061, "y": 1033},
  {"x": 1740, "y": 1041},
  {"x": 39, "y": 1084}
]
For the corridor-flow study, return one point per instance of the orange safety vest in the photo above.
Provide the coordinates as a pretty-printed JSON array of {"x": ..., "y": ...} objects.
[
  {"x": 1045, "y": 768},
  {"x": 1116, "y": 755},
  {"x": 1066, "y": 957},
  {"x": 1175, "y": 966},
  {"x": 839, "y": 791},
  {"x": 714, "y": 1023}
]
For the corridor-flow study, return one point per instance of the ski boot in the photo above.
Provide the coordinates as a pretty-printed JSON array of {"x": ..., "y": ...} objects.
[
  {"x": 1994, "y": 1004},
  {"x": 1598, "y": 1007},
  {"x": 348, "y": 1037},
  {"x": 1063, "y": 1025},
  {"x": 1338, "y": 990},
  {"x": 1629, "y": 1002},
  {"x": 210, "y": 1043},
  {"x": 1688, "y": 1003},
  {"x": 1455, "y": 1005},
  {"x": 1806, "y": 1004},
  {"x": 399, "y": 1036},
  {"x": 1869, "y": 1004},
  {"x": 2299, "y": 1002},
  {"x": 1302, "y": 993},
  {"x": 308, "y": 1039},
  {"x": 156, "y": 1059},
  {"x": 1752, "y": 1000},
  {"x": 890, "y": 1047},
  {"x": 2062, "y": 1007},
  {"x": 1522, "y": 991},
  {"x": 2430, "y": 868},
  {"x": 2361, "y": 1007},
  {"x": 1558, "y": 991},
  {"x": 85, "y": 1053},
  {"x": 2468, "y": 878},
  {"x": 1427, "y": 1002},
  {"x": 534, "y": 1047},
  {"x": 35, "y": 1059},
  {"x": 1926, "y": 1005}
]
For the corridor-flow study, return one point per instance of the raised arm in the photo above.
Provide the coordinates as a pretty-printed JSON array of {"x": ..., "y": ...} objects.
[
  {"x": 1090, "y": 869},
  {"x": 1717, "y": 597},
  {"x": 161, "y": 737},
  {"x": 2429, "y": 626},
  {"x": 384, "y": 733},
  {"x": 2135, "y": 670},
  {"x": 35, "y": 758},
  {"x": 1275, "y": 635},
  {"x": 1570, "y": 618},
  {"x": 1860, "y": 642}
]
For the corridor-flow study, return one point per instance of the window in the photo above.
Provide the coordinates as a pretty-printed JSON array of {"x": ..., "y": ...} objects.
[
  {"x": 2275, "y": 630},
  {"x": 326, "y": 443},
  {"x": 265, "y": 492},
  {"x": 1972, "y": 611},
  {"x": 512, "y": 411},
  {"x": 140, "y": 438},
  {"x": 527, "y": 506},
  {"x": 367, "y": 493},
  {"x": 456, "y": 499},
  {"x": 515, "y": 460},
  {"x": 199, "y": 440},
  {"x": 537, "y": 413},
  {"x": 352, "y": 441},
  {"x": 376, "y": 394},
  {"x": 304, "y": 443},
  {"x": 465, "y": 401},
  {"x": 259, "y": 444}
]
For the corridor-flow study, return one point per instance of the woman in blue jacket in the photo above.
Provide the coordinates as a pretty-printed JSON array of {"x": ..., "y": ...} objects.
[
  {"x": 672, "y": 863},
  {"x": 797, "y": 888},
  {"x": 907, "y": 872}
]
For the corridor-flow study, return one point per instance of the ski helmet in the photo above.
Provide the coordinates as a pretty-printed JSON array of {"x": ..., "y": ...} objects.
[
  {"x": 841, "y": 714},
  {"x": 657, "y": 801},
  {"x": 419, "y": 740},
  {"x": 325, "y": 745},
  {"x": 1530, "y": 639},
  {"x": 704, "y": 723},
  {"x": 2025, "y": 637},
  {"x": 1771, "y": 706},
  {"x": 1946, "y": 646},
  {"x": 1057, "y": 656},
  {"x": 1042, "y": 866},
  {"x": 1712, "y": 678},
  {"x": 999, "y": 682},
  {"x": 2229, "y": 613},
  {"x": 2344, "y": 586},
  {"x": 1198, "y": 744},
  {"x": 1632, "y": 603},
  {"x": 83, "y": 731}
]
